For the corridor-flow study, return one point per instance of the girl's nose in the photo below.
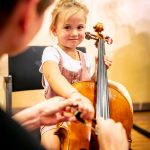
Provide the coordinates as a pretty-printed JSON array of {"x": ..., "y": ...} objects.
[{"x": 74, "y": 32}]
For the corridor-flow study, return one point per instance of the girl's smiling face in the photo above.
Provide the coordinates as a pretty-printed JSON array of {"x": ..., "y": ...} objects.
[{"x": 71, "y": 32}]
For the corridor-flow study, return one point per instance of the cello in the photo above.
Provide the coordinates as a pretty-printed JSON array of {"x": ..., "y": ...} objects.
[{"x": 109, "y": 98}]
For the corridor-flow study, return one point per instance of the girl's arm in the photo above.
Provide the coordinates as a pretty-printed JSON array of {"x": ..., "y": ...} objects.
[
  {"x": 63, "y": 88},
  {"x": 56, "y": 80}
]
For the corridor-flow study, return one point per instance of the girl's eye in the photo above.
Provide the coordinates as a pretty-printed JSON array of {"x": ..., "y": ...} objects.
[
  {"x": 67, "y": 27},
  {"x": 80, "y": 27}
]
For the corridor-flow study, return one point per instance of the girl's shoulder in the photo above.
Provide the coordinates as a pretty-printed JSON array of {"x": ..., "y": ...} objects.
[{"x": 52, "y": 51}]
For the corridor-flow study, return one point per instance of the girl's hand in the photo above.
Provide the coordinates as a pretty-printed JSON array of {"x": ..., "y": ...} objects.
[
  {"x": 85, "y": 106},
  {"x": 107, "y": 61}
]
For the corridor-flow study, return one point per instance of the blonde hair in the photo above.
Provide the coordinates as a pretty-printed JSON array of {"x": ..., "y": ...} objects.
[{"x": 68, "y": 8}]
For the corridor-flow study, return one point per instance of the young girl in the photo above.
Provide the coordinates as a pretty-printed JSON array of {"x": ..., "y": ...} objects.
[{"x": 63, "y": 64}]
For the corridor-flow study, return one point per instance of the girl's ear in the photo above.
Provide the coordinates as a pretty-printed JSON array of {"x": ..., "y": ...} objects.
[{"x": 53, "y": 29}]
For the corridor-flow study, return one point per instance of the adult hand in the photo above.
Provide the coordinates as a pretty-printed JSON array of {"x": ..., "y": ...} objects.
[
  {"x": 56, "y": 110},
  {"x": 111, "y": 135},
  {"x": 47, "y": 112}
]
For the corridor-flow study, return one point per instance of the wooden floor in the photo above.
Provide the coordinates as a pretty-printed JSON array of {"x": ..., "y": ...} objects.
[{"x": 142, "y": 121}]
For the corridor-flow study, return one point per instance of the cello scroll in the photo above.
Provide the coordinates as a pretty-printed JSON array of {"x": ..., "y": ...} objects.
[{"x": 98, "y": 29}]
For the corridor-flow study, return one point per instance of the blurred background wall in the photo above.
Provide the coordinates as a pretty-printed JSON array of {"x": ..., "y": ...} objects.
[{"x": 128, "y": 23}]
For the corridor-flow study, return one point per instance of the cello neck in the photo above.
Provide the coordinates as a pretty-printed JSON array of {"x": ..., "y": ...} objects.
[{"x": 102, "y": 99}]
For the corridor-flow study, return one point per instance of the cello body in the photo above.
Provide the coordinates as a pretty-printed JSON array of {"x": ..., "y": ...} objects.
[{"x": 76, "y": 136}]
